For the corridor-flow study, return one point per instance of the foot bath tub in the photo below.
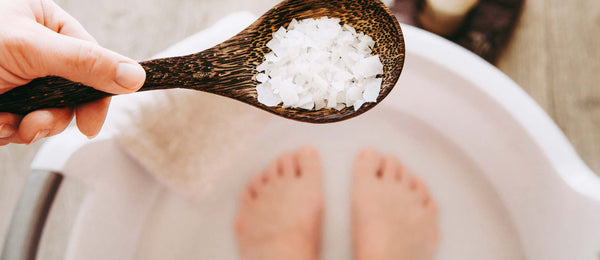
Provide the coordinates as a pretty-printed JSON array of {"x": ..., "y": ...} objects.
[{"x": 507, "y": 182}]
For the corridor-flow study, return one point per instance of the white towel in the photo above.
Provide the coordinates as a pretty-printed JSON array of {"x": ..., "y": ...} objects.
[{"x": 185, "y": 138}]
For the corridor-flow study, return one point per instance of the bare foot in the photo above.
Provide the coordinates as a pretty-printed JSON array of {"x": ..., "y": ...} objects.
[
  {"x": 281, "y": 210},
  {"x": 393, "y": 214}
]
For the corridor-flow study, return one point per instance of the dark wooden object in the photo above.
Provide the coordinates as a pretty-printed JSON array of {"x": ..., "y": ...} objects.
[
  {"x": 486, "y": 30},
  {"x": 229, "y": 68}
]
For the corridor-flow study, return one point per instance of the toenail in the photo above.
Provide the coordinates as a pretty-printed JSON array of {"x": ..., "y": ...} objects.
[{"x": 264, "y": 179}]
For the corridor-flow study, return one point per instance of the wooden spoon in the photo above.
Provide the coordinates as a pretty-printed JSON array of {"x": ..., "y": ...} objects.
[{"x": 229, "y": 69}]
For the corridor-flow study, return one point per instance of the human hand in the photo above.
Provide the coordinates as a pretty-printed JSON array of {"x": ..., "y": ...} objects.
[{"x": 38, "y": 39}]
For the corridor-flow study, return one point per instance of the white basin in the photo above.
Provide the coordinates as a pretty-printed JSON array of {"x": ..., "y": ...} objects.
[{"x": 508, "y": 183}]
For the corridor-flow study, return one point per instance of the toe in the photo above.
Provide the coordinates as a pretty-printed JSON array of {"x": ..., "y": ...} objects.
[
  {"x": 264, "y": 179},
  {"x": 257, "y": 180},
  {"x": 422, "y": 191},
  {"x": 255, "y": 186},
  {"x": 399, "y": 175},
  {"x": 408, "y": 178},
  {"x": 239, "y": 225},
  {"x": 412, "y": 182},
  {"x": 272, "y": 171},
  {"x": 367, "y": 164},
  {"x": 309, "y": 162},
  {"x": 431, "y": 205},
  {"x": 287, "y": 165},
  {"x": 390, "y": 168},
  {"x": 249, "y": 195}
]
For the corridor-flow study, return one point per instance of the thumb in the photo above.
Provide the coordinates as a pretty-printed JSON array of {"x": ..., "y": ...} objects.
[{"x": 87, "y": 63}]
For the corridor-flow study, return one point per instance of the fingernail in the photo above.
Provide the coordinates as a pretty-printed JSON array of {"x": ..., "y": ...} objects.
[
  {"x": 6, "y": 131},
  {"x": 130, "y": 76},
  {"x": 90, "y": 137},
  {"x": 39, "y": 135}
]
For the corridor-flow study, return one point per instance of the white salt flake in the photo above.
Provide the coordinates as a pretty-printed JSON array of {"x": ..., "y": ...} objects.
[
  {"x": 358, "y": 104},
  {"x": 332, "y": 100},
  {"x": 320, "y": 104},
  {"x": 263, "y": 66},
  {"x": 372, "y": 89},
  {"x": 261, "y": 77},
  {"x": 271, "y": 57},
  {"x": 349, "y": 29},
  {"x": 266, "y": 96},
  {"x": 289, "y": 94},
  {"x": 368, "y": 67},
  {"x": 292, "y": 24},
  {"x": 337, "y": 86},
  {"x": 318, "y": 63},
  {"x": 353, "y": 94},
  {"x": 279, "y": 34}
]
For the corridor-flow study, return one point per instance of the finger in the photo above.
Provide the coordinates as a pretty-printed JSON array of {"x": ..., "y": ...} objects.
[
  {"x": 90, "y": 117},
  {"x": 9, "y": 129},
  {"x": 8, "y": 124},
  {"x": 5, "y": 141},
  {"x": 44, "y": 123},
  {"x": 14, "y": 139},
  {"x": 53, "y": 17},
  {"x": 9, "y": 80},
  {"x": 85, "y": 62}
]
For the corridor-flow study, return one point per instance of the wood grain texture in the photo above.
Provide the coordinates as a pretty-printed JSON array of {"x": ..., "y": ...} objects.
[
  {"x": 555, "y": 57},
  {"x": 229, "y": 69}
]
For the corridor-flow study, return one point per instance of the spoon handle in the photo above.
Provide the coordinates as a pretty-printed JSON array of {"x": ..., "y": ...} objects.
[
  {"x": 47, "y": 92},
  {"x": 57, "y": 92}
]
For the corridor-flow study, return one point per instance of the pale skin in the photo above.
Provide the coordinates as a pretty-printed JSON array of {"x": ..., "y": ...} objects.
[
  {"x": 393, "y": 213},
  {"x": 38, "y": 39}
]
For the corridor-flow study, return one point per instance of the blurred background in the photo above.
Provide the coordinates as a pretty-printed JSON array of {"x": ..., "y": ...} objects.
[{"x": 553, "y": 55}]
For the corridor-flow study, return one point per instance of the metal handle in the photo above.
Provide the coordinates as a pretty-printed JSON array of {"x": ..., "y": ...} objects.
[{"x": 30, "y": 215}]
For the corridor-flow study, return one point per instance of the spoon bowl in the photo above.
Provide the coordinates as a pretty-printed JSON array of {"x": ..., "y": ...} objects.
[{"x": 229, "y": 68}]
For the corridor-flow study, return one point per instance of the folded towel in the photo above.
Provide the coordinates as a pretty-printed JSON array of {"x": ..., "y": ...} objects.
[{"x": 185, "y": 138}]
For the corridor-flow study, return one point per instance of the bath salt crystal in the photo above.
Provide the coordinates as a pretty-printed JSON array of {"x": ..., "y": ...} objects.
[{"x": 319, "y": 64}]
